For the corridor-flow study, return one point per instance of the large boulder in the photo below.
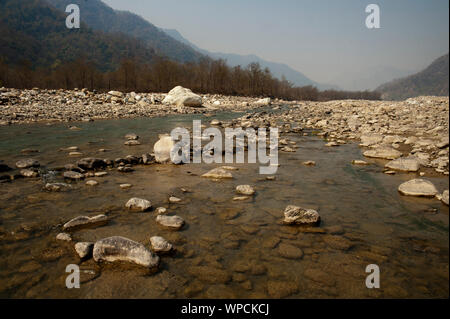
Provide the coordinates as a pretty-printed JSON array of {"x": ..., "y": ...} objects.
[
  {"x": 407, "y": 164},
  {"x": 181, "y": 96},
  {"x": 384, "y": 152},
  {"x": 162, "y": 149},
  {"x": 118, "y": 248},
  {"x": 294, "y": 215},
  {"x": 418, "y": 187}
]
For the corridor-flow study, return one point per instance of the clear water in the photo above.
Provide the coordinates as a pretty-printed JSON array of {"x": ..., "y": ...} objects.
[{"x": 227, "y": 249}]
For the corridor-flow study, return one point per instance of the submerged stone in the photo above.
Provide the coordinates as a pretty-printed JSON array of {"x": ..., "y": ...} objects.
[
  {"x": 118, "y": 248},
  {"x": 301, "y": 216}
]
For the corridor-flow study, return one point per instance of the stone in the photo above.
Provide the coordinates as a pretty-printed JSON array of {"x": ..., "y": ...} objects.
[
  {"x": 418, "y": 187},
  {"x": 359, "y": 162},
  {"x": 162, "y": 149},
  {"x": 118, "y": 248},
  {"x": 181, "y": 96},
  {"x": 91, "y": 163},
  {"x": 240, "y": 198},
  {"x": 161, "y": 210},
  {"x": 100, "y": 174},
  {"x": 301, "y": 216},
  {"x": 27, "y": 163},
  {"x": 116, "y": 94},
  {"x": 84, "y": 249},
  {"x": 445, "y": 197},
  {"x": 73, "y": 175},
  {"x": 218, "y": 173},
  {"x": 160, "y": 245},
  {"x": 264, "y": 102},
  {"x": 132, "y": 136},
  {"x": 125, "y": 186},
  {"x": 75, "y": 154},
  {"x": 148, "y": 159},
  {"x": 64, "y": 237},
  {"x": 91, "y": 183},
  {"x": 384, "y": 152},
  {"x": 57, "y": 187},
  {"x": 245, "y": 190},
  {"x": 309, "y": 163},
  {"x": 289, "y": 251},
  {"x": 404, "y": 164},
  {"x": 29, "y": 173},
  {"x": 172, "y": 222},
  {"x": 138, "y": 204},
  {"x": 132, "y": 143},
  {"x": 174, "y": 200},
  {"x": 371, "y": 139},
  {"x": 84, "y": 221}
]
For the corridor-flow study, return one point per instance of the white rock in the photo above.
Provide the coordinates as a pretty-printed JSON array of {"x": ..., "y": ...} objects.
[
  {"x": 162, "y": 149},
  {"x": 245, "y": 190},
  {"x": 83, "y": 249},
  {"x": 181, "y": 96},
  {"x": 406, "y": 164},
  {"x": 445, "y": 197},
  {"x": 301, "y": 216},
  {"x": 384, "y": 152},
  {"x": 138, "y": 204},
  {"x": 172, "y": 222},
  {"x": 117, "y": 248},
  {"x": 218, "y": 173},
  {"x": 64, "y": 237},
  {"x": 159, "y": 244},
  {"x": 418, "y": 187}
]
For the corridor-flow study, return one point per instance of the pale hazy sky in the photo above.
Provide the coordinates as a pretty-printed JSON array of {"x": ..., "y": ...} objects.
[{"x": 327, "y": 40}]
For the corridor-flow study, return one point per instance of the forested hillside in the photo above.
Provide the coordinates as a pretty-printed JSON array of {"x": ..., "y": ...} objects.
[
  {"x": 101, "y": 17},
  {"x": 431, "y": 81}
]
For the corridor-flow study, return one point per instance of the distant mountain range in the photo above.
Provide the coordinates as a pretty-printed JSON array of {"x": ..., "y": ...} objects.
[
  {"x": 277, "y": 69},
  {"x": 431, "y": 81}
]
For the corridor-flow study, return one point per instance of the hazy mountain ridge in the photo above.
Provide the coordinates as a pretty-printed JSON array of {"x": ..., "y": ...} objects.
[
  {"x": 433, "y": 80},
  {"x": 100, "y": 16},
  {"x": 34, "y": 31},
  {"x": 277, "y": 69}
]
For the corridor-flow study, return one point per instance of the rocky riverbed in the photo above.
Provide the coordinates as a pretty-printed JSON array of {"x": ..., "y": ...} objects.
[{"x": 359, "y": 182}]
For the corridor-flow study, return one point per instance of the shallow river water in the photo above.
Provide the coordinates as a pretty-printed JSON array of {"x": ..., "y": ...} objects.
[{"x": 227, "y": 249}]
